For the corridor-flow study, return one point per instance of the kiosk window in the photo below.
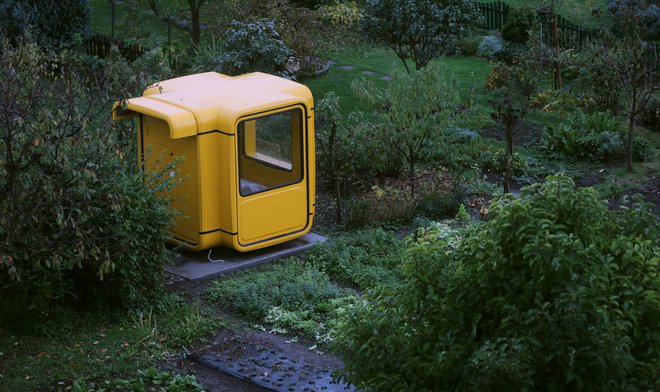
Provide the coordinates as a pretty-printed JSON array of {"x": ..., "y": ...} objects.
[{"x": 270, "y": 151}]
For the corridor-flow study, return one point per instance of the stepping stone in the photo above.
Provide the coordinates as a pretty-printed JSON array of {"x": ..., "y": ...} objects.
[
  {"x": 346, "y": 67},
  {"x": 332, "y": 62},
  {"x": 370, "y": 73},
  {"x": 386, "y": 78}
]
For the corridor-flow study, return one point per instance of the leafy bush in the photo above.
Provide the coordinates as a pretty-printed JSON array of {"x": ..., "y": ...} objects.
[
  {"x": 298, "y": 27},
  {"x": 554, "y": 292},
  {"x": 341, "y": 14},
  {"x": 592, "y": 137},
  {"x": 53, "y": 23},
  {"x": 436, "y": 195},
  {"x": 518, "y": 24},
  {"x": 254, "y": 46},
  {"x": 491, "y": 46},
  {"x": 390, "y": 202},
  {"x": 78, "y": 223},
  {"x": 641, "y": 149},
  {"x": 468, "y": 46},
  {"x": 651, "y": 115}
]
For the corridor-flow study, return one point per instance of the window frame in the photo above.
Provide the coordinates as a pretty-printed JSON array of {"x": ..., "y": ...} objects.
[{"x": 240, "y": 148}]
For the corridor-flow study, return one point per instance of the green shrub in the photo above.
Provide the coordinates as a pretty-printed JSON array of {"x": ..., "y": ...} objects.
[
  {"x": 593, "y": 137},
  {"x": 346, "y": 15},
  {"x": 651, "y": 115},
  {"x": 554, "y": 292},
  {"x": 468, "y": 46},
  {"x": 78, "y": 223},
  {"x": 518, "y": 24},
  {"x": 254, "y": 46},
  {"x": 52, "y": 23},
  {"x": 641, "y": 149}
]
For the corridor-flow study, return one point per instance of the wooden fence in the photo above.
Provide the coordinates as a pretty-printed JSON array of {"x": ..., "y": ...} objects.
[
  {"x": 495, "y": 14},
  {"x": 99, "y": 45}
]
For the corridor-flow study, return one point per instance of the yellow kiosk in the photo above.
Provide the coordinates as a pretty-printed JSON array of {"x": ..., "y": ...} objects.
[{"x": 248, "y": 148}]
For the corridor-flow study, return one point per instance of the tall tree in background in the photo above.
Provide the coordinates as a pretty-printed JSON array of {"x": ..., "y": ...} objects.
[
  {"x": 194, "y": 28},
  {"x": 51, "y": 23},
  {"x": 631, "y": 58},
  {"x": 418, "y": 30}
]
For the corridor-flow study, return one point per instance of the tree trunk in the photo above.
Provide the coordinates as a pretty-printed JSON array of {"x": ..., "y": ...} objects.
[
  {"x": 508, "y": 169},
  {"x": 631, "y": 125},
  {"x": 555, "y": 43},
  {"x": 338, "y": 200},
  {"x": 196, "y": 27},
  {"x": 411, "y": 175}
]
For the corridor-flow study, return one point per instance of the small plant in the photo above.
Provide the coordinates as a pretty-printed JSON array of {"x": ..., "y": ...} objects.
[
  {"x": 146, "y": 380},
  {"x": 518, "y": 24},
  {"x": 468, "y": 46},
  {"x": 290, "y": 285},
  {"x": 593, "y": 137},
  {"x": 491, "y": 46},
  {"x": 364, "y": 260}
]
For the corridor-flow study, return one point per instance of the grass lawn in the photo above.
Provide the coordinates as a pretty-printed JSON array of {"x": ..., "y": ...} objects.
[{"x": 97, "y": 348}]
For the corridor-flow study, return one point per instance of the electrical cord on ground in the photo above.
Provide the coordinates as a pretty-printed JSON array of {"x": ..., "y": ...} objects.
[{"x": 214, "y": 260}]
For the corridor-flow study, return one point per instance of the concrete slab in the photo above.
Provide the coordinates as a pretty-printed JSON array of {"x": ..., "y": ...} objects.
[{"x": 198, "y": 265}]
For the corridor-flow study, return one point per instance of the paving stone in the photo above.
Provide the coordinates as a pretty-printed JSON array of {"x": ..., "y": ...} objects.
[
  {"x": 197, "y": 265},
  {"x": 386, "y": 78},
  {"x": 346, "y": 67}
]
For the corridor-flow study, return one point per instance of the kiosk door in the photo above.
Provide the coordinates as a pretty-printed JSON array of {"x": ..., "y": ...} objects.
[{"x": 272, "y": 184}]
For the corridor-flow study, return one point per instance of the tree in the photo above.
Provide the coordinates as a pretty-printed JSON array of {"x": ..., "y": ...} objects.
[
  {"x": 340, "y": 147},
  {"x": 78, "y": 222},
  {"x": 194, "y": 28},
  {"x": 512, "y": 87},
  {"x": 52, "y": 23},
  {"x": 412, "y": 111},
  {"x": 418, "y": 30},
  {"x": 631, "y": 59},
  {"x": 555, "y": 292}
]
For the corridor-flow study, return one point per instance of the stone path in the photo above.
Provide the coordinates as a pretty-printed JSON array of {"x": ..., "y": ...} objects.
[{"x": 347, "y": 67}]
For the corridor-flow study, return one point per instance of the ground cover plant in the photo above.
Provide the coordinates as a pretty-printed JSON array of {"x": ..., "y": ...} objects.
[
  {"x": 99, "y": 346},
  {"x": 311, "y": 297}
]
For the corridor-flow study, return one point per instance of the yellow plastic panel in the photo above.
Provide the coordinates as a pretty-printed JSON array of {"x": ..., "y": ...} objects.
[
  {"x": 212, "y": 181},
  {"x": 162, "y": 151},
  {"x": 271, "y": 214}
]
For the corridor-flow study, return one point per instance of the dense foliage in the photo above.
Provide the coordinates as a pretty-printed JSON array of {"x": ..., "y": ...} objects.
[
  {"x": 78, "y": 223},
  {"x": 49, "y": 22},
  {"x": 411, "y": 113},
  {"x": 418, "y": 30},
  {"x": 254, "y": 46},
  {"x": 593, "y": 137},
  {"x": 518, "y": 24},
  {"x": 554, "y": 292}
]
